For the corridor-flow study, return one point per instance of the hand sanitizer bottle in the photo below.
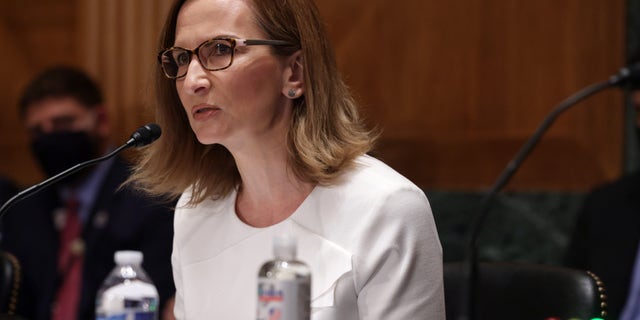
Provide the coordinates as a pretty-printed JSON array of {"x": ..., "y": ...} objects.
[{"x": 284, "y": 284}]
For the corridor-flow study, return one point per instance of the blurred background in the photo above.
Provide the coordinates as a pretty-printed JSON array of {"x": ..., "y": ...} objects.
[{"x": 457, "y": 87}]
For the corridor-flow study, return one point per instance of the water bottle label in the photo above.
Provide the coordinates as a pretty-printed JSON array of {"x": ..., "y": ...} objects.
[
  {"x": 129, "y": 315},
  {"x": 283, "y": 299}
]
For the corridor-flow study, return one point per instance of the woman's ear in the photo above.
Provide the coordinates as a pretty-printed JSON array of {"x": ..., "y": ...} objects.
[{"x": 293, "y": 81}]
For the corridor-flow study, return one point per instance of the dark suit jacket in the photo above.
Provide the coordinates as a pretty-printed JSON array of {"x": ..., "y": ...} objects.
[
  {"x": 606, "y": 235},
  {"x": 119, "y": 220},
  {"x": 7, "y": 189}
]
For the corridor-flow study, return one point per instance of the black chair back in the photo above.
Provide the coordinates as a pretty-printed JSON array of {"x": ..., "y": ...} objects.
[
  {"x": 9, "y": 284},
  {"x": 526, "y": 291}
]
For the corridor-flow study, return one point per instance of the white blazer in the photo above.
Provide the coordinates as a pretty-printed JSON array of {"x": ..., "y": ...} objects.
[{"x": 370, "y": 241}]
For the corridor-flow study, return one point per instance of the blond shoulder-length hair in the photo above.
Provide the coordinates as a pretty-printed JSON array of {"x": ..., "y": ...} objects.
[{"x": 325, "y": 136}]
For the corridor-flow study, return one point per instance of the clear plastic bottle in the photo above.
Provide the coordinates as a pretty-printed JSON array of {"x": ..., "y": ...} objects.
[
  {"x": 284, "y": 284},
  {"x": 127, "y": 293}
]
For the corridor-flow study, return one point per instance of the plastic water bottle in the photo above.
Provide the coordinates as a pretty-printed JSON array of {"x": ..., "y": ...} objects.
[
  {"x": 284, "y": 284},
  {"x": 127, "y": 293}
]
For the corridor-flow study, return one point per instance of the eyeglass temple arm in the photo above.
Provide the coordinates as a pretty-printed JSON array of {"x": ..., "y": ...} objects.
[{"x": 257, "y": 42}]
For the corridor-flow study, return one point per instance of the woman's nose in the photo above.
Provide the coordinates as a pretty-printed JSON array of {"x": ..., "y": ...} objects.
[{"x": 196, "y": 81}]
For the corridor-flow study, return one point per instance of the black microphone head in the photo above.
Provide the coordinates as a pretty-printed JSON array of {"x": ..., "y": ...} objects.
[
  {"x": 145, "y": 135},
  {"x": 629, "y": 75}
]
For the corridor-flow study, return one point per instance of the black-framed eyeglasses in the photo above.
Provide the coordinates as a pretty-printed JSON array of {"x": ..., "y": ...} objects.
[{"x": 215, "y": 54}]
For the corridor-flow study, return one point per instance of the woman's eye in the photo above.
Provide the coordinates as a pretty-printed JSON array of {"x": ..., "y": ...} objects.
[
  {"x": 216, "y": 48},
  {"x": 183, "y": 58},
  {"x": 221, "y": 49}
]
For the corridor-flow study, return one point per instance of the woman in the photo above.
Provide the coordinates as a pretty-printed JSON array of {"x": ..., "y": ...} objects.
[{"x": 263, "y": 138}]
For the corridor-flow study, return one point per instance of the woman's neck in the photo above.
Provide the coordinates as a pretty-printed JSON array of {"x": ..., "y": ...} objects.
[{"x": 269, "y": 192}]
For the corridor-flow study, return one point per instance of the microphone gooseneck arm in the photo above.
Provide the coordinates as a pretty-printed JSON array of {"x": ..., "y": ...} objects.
[
  {"x": 141, "y": 137},
  {"x": 469, "y": 294},
  {"x": 37, "y": 187},
  {"x": 524, "y": 151}
]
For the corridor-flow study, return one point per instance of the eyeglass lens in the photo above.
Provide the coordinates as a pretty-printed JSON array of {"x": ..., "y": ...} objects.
[{"x": 214, "y": 55}]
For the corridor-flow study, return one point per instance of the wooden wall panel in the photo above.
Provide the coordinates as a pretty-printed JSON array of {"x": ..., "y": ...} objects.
[
  {"x": 33, "y": 34},
  {"x": 119, "y": 47},
  {"x": 457, "y": 86}
]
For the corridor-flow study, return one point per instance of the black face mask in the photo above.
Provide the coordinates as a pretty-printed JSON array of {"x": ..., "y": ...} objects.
[{"x": 58, "y": 151}]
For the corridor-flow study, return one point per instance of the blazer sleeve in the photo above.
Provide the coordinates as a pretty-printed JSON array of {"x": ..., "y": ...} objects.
[{"x": 399, "y": 273}]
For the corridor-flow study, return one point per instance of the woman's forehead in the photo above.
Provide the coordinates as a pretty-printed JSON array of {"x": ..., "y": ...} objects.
[
  {"x": 200, "y": 20},
  {"x": 213, "y": 12}
]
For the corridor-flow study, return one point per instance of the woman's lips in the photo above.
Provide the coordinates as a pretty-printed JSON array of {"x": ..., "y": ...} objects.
[{"x": 203, "y": 112}]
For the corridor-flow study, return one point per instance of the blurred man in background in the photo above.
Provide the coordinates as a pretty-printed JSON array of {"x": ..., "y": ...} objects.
[
  {"x": 7, "y": 189},
  {"x": 65, "y": 237}
]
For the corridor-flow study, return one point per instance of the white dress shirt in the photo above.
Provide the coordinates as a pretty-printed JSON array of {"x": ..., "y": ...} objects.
[
  {"x": 370, "y": 241},
  {"x": 631, "y": 309}
]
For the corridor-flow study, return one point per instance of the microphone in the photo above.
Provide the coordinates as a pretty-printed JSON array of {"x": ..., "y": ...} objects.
[
  {"x": 145, "y": 135},
  {"x": 624, "y": 76},
  {"x": 628, "y": 74},
  {"x": 141, "y": 137}
]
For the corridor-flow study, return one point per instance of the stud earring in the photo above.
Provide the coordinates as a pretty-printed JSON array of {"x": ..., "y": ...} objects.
[{"x": 292, "y": 93}]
